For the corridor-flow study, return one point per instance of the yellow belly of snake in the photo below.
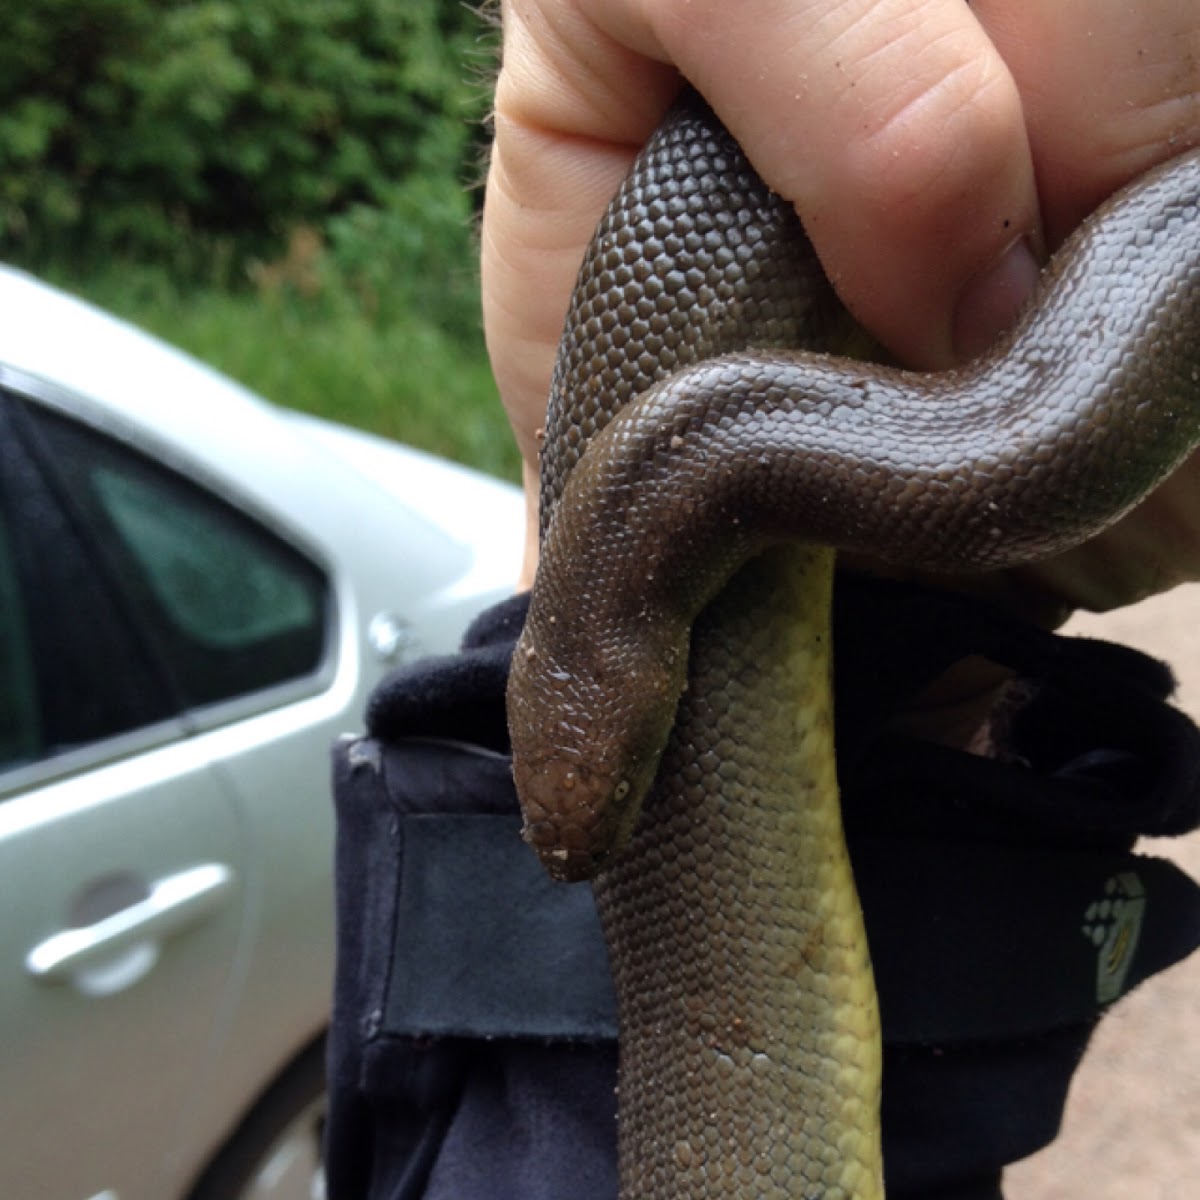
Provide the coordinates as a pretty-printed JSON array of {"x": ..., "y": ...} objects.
[
  {"x": 734, "y": 929},
  {"x": 669, "y": 701}
]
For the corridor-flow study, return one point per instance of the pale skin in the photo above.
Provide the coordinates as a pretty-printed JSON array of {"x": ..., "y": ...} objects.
[{"x": 934, "y": 149}]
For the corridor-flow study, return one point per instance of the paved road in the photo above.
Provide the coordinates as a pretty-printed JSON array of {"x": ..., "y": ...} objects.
[{"x": 1132, "y": 1130}]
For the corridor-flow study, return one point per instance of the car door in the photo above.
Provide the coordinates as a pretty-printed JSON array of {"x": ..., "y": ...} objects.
[
  {"x": 129, "y": 597},
  {"x": 121, "y": 919}
]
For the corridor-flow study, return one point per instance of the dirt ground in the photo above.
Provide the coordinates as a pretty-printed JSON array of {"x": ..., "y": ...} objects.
[{"x": 1132, "y": 1128}]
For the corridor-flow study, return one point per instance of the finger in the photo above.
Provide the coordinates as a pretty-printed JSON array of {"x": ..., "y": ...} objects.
[
  {"x": 892, "y": 124},
  {"x": 572, "y": 108},
  {"x": 1108, "y": 88},
  {"x": 565, "y": 134},
  {"x": 896, "y": 129}
]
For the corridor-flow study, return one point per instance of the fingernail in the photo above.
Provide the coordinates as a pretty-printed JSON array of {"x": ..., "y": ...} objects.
[{"x": 989, "y": 304}]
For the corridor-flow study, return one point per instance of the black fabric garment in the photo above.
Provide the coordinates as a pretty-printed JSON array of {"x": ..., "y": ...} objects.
[{"x": 472, "y": 1049}]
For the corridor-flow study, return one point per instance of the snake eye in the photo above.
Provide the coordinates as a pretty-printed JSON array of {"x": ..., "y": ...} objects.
[{"x": 621, "y": 791}]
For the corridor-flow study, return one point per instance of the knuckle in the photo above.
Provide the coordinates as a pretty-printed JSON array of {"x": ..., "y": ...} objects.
[{"x": 937, "y": 142}]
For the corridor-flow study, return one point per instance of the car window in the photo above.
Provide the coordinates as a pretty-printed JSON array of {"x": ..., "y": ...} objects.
[
  {"x": 220, "y": 584},
  {"x": 20, "y": 734},
  {"x": 73, "y": 670},
  {"x": 228, "y": 606}
]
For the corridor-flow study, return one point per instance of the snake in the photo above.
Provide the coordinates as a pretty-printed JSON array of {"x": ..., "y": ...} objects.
[{"x": 708, "y": 450}]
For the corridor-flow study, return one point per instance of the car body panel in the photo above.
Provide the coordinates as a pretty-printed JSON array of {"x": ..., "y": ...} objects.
[
  {"x": 107, "y": 837},
  {"x": 125, "y": 1081}
]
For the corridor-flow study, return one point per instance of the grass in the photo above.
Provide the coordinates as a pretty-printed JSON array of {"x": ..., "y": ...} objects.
[{"x": 404, "y": 376}]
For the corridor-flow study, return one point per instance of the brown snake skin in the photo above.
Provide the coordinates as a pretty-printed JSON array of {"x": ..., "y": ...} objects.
[{"x": 680, "y": 559}]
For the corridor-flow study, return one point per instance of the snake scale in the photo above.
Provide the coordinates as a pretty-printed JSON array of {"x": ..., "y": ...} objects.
[{"x": 669, "y": 696}]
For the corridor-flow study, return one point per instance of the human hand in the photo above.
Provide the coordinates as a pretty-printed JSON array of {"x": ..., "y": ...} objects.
[{"x": 933, "y": 151}]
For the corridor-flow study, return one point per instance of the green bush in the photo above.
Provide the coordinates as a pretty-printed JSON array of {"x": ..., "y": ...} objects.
[
  {"x": 281, "y": 187},
  {"x": 201, "y": 134}
]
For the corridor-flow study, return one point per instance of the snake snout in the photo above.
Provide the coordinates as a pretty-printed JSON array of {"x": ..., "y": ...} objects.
[
  {"x": 574, "y": 818},
  {"x": 588, "y": 718}
]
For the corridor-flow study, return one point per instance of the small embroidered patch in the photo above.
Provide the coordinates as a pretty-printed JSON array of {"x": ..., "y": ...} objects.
[{"x": 1113, "y": 925}]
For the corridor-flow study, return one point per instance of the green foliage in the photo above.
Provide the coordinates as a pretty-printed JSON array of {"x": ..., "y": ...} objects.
[
  {"x": 281, "y": 187},
  {"x": 199, "y": 133},
  {"x": 407, "y": 379}
]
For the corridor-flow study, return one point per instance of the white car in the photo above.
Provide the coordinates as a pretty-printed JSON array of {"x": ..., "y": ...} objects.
[{"x": 198, "y": 591}]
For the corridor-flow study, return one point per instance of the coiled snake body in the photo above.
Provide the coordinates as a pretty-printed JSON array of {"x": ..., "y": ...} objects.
[{"x": 682, "y": 602}]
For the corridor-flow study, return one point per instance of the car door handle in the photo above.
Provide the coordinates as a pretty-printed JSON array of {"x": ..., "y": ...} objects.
[{"x": 174, "y": 904}]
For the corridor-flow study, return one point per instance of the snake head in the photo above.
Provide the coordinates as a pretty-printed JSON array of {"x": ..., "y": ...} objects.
[
  {"x": 575, "y": 820},
  {"x": 586, "y": 745}
]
